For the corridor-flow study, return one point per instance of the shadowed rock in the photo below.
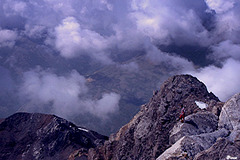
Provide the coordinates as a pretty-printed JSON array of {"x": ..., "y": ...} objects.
[
  {"x": 40, "y": 136},
  {"x": 194, "y": 124}
]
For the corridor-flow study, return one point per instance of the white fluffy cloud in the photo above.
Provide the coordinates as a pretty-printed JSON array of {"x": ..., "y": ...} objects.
[
  {"x": 226, "y": 49},
  {"x": 220, "y": 6},
  {"x": 45, "y": 91},
  {"x": 223, "y": 82},
  {"x": 160, "y": 20},
  {"x": 109, "y": 103},
  {"x": 72, "y": 40},
  {"x": 7, "y": 37}
]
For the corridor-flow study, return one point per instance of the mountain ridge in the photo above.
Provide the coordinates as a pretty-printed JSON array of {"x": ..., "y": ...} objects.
[
  {"x": 155, "y": 132},
  {"x": 43, "y": 136}
]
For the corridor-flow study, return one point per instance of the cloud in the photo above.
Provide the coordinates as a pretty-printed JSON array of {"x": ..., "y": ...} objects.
[
  {"x": 12, "y": 7},
  {"x": 220, "y": 6},
  {"x": 108, "y": 104},
  {"x": 72, "y": 40},
  {"x": 227, "y": 24},
  {"x": 166, "y": 24},
  {"x": 226, "y": 49},
  {"x": 44, "y": 91},
  {"x": 131, "y": 67},
  {"x": 101, "y": 29},
  {"x": 35, "y": 31},
  {"x": 223, "y": 82},
  {"x": 174, "y": 63},
  {"x": 7, "y": 37}
]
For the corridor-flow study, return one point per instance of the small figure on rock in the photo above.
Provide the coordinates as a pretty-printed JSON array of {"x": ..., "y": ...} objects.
[{"x": 182, "y": 114}]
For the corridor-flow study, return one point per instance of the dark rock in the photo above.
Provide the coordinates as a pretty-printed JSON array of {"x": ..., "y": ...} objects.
[
  {"x": 41, "y": 136},
  {"x": 198, "y": 123},
  {"x": 146, "y": 136}
]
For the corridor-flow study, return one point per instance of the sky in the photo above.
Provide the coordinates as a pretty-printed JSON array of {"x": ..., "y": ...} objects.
[{"x": 101, "y": 29}]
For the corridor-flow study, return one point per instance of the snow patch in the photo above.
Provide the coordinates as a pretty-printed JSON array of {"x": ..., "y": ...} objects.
[
  {"x": 82, "y": 129},
  {"x": 201, "y": 105}
]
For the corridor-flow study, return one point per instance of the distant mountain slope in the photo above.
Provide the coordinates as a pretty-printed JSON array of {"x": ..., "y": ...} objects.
[{"x": 42, "y": 136}]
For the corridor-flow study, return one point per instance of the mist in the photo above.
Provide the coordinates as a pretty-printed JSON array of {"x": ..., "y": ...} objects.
[{"x": 44, "y": 91}]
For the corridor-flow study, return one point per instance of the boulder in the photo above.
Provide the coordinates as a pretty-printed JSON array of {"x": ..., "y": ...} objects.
[
  {"x": 234, "y": 136},
  {"x": 230, "y": 114},
  {"x": 223, "y": 149},
  {"x": 198, "y": 123},
  {"x": 188, "y": 146}
]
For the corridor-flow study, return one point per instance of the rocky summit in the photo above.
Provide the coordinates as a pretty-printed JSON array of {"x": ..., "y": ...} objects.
[
  {"x": 28, "y": 136},
  {"x": 150, "y": 133},
  {"x": 211, "y": 130}
]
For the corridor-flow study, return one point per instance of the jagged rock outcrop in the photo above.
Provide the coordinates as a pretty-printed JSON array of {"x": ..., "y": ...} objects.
[
  {"x": 230, "y": 117},
  {"x": 228, "y": 147},
  {"x": 189, "y": 146},
  {"x": 146, "y": 136},
  {"x": 195, "y": 124},
  {"x": 223, "y": 149},
  {"x": 40, "y": 136}
]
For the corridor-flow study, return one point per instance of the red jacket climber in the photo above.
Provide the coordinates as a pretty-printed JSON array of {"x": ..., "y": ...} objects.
[{"x": 182, "y": 115}]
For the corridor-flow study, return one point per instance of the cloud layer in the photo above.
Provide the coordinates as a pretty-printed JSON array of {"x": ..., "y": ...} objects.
[
  {"x": 72, "y": 40},
  {"x": 103, "y": 29},
  {"x": 44, "y": 91},
  {"x": 223, "y": 81}
]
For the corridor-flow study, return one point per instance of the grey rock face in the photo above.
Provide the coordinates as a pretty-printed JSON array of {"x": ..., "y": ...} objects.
[
  {"x": 203, "y": 146},
  {"x": 40, "y": 136},
  {"x": 146, "y": 136},
  {"x": 228, "y": 147},
  {"x": 189, "y": 146},
  {"x": 234, "y": 136},
  {"x": 221, "y": 150},
  {"x": 198, "y": 123},
  {"x": 230, "y": 117}
]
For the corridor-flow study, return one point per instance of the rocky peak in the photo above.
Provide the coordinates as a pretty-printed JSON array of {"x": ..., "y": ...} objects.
[
  {"x": 186, "y": 90},
  {"x": 146, "y": 136},
  {"x": 42, "y": 136}
]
